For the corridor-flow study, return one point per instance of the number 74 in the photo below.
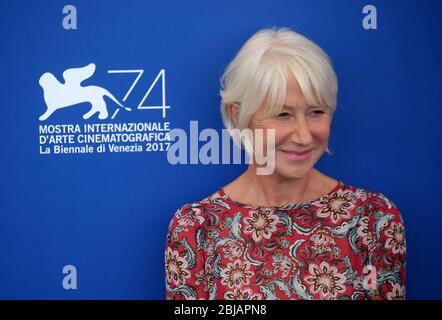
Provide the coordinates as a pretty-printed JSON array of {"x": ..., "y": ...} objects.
[{"x": 161, "y": 74}]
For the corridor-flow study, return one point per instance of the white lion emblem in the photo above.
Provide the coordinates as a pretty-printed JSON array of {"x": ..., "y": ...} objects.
[{"x": 61, "y": 95}]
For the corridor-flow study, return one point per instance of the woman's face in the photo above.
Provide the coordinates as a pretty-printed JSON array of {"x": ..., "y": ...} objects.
[{"x": 298, "y": 128}]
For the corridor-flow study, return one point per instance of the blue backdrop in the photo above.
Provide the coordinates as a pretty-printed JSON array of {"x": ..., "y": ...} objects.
[{"x": 107, "y": 213}]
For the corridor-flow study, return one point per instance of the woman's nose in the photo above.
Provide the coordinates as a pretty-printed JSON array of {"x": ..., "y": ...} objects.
[{"x": 300, "y": 132}]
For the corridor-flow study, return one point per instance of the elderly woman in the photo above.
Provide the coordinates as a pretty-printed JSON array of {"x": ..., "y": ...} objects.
[{"x": 295, "y": 233}]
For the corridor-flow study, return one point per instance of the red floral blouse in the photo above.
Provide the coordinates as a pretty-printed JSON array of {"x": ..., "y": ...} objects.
[{"x": 348, "y": 244}]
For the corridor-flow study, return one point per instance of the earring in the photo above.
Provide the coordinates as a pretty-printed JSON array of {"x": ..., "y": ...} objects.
[{"x": 328, "y": 151}]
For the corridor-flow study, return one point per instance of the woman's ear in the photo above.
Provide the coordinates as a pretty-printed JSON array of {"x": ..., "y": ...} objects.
[{"x": 233, "y": 109}]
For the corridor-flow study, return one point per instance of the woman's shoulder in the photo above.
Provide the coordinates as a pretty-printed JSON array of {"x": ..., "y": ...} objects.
[
  {"x": 196, "y": 213},
  {"x": 373, "y": 201}
]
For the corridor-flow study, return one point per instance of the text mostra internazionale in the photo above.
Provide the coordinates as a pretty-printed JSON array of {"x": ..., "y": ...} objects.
[{"x": 104, "y": 132}]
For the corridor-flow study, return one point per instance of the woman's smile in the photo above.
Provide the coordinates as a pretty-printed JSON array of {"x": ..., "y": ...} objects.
[{"x": 296, "y": 156}]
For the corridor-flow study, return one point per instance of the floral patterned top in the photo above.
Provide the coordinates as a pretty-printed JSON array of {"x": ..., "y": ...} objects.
[{"x": 348, "y": 244}]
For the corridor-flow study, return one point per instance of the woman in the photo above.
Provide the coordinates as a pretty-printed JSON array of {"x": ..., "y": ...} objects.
[{"x": 295, "y": 233}]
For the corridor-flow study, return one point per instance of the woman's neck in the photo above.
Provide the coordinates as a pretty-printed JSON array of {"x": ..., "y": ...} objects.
[{"x": 272, "y": 190}]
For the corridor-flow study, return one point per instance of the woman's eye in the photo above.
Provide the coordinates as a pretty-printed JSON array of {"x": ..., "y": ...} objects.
[
  {"x": 318, "y": 112},
  {"x": 283, "y": 115}
]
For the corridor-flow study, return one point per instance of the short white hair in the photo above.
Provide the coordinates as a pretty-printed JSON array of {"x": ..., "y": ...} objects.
[{"x": 257, "y": 76}]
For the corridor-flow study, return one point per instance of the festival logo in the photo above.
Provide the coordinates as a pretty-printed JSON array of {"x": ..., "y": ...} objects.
[{"x": 80, "y": 136}]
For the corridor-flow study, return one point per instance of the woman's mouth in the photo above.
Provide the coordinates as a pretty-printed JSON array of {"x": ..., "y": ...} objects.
[{"x": 297, "y": 156}]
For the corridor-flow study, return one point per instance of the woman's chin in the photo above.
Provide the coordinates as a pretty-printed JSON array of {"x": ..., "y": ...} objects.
[{"x": 291, "y": 172}]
